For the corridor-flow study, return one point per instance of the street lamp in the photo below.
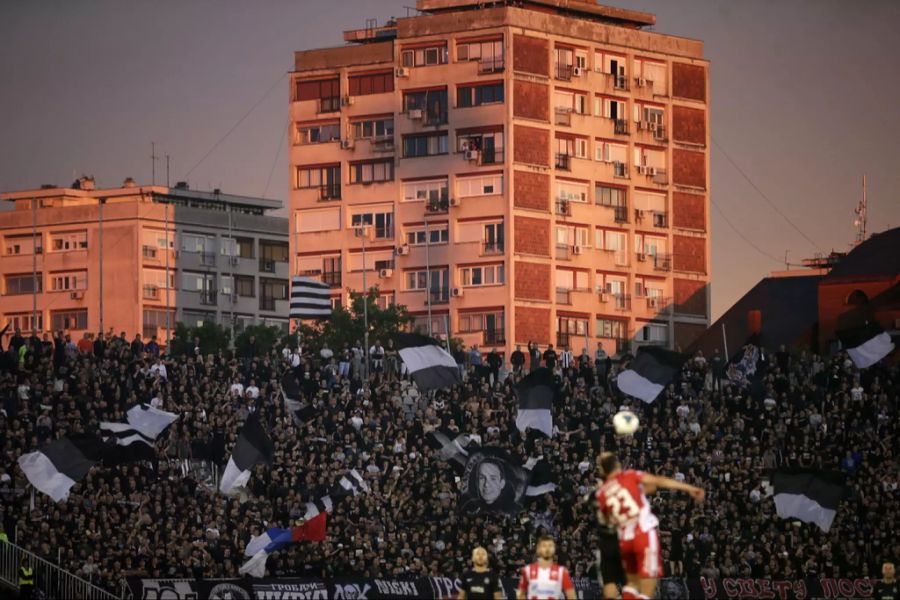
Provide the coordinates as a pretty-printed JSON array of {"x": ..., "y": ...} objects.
[{"x": 363, "y": 231}]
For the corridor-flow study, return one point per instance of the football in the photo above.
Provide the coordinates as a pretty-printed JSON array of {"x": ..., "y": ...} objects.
[{"x": 625, "y": 422}]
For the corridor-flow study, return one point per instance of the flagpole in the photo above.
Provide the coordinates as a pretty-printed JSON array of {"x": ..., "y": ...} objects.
[{"x": 725, "y": 341}]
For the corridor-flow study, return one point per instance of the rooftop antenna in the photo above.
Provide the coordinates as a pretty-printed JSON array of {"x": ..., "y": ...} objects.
[
  {"x": 167, "y": 170},
  {"x": 787, "y": 265},
  {"x": 860, "y": 221},
  {"x": 153, "y": 158}
]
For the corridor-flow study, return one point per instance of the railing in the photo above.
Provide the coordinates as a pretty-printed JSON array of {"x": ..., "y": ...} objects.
[
  {"x": 439, "y": 296},
  {"x": 563, "y": 252},
  {"x": 332, "y": 278},
  {"x": 491, "y": 248},
  {"x": 490, "y": 65},
  {"x": 266, "y": 303},
  {"x": 151, "y": 292},
  {"x": 563, "y": 338},
  {"x": 563, "y": 296},
  {"x": 659, "y": 304},
  {"x": 563, "y": 72},
  {"x": 266, "y": 266},
  {"x": 491, "y": 156},
  {"x": 622, "y": 302},
  {"x": 434, "y": 207},
  {"x": 436, "y": 116},
  {"x": 620, "y": 82},
  {"x": 331, "y": 191},
  {"x": 494, "y": 337},
  {"x": 383, "y": 144},
  {"x": 621, "y": 126},
  {"x": 331, "y": 104},
  {"x": 660, "y": 219},
  {"x": 563, "y": 117},
  {"x": 620, "y": 170},
  {"x": 563, "y": 208},
  {"x": 209, "y": 297},
  {"x": 621, "y": 214},
  {"x": 660, "y": 177},
  {"x": 563, "y": 161},
  {"x": 208, "y": 258},
  {"x": 662, "y": 262},
  {"x": 148, "y": 251},
  {"x": 53, "y": 581},
  {"x": 659, "y": 132}
]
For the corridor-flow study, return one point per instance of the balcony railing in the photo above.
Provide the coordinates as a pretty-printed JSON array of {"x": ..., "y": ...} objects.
[
  {"x": 266, "y": 266},
  {"x": 662, "y": 262},
  {"x": 659, "y": 304},
  {"x": 564, "y": 296},
  {"x": 383, "y": 144},
  {"x": 563, "y": 252},
  {"x": 621, "y": 302},
  {"x": 266, "y": 303},
  {"x": 563, "y": 117},
  {"x": 332, "y": 279},
  {"x": 490, "y": 65},
  {"x": 149, "y": 251},
  {"x": 660, "y": 177},
  {"x": 208, "y": 258},
  {"x": 208, "y": 297},
  {"x": 439, "y": 296},
  {"x": 435, "y": 207},
  {"x": 564, "y": 72},
  {"x": 660, "y": 219},
  {"x": 620, "y": 82},
  {"x": 620, "y": 170},
  {"x": 563, "y": 161},
  {"x": 330, "y": 104},
  {"x": 621, "y": 126},
  {"x": 621, "y": 214},
  {"x": 436, "y": 116},
  {"x": 331, "y": 191},
  {"x": 491, "y": 156},
  {"x": 494, "y": 337},
  {"x": 491, "y": 248},
  {"x": 151, "y": 292},
  {"x": 564, "y": 339},
  {"x": 563, "y": 207}
]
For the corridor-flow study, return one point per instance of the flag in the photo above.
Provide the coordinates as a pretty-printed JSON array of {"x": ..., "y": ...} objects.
[
  {"x": 291, "y": 392},
  {"x": 260, "y": 547},
  {"x": 650, "y": 372},
  {"x": 866, "y": 345},
  {"x": 149, "y": 421},
  {"x": 124, "y": 444},
  {"x": 431, "y": 366},
  {"x": 253, "y": 446},
  {"x": 535, "y": 394},
  {"x": 310, "y": 299},
  {"x": 124, "y": 434},
  {"x": 56, "y": 467},
  {"x": 350, "y": 484},
  {"x": 809, "y": 495},
  {"x": 742, "y": 368},
  {"x": 492, "y": 482},
  {"x": 541, "y": 480},
  {"x": 450, "y": 448}
]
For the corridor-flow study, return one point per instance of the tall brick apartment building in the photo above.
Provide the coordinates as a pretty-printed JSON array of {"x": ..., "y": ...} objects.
[{"x": 530, "y": 170}]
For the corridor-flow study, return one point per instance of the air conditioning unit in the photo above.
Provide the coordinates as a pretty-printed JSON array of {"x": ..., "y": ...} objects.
[
  {"x": 651, "y": 171},
  {"x": 577, "y": 250},
  {"x": 401, "y": 71},
  {"x": 472, "y": 154},
  {"x": 76, "y": 295},
  {"x": 235, "y": 261},
  {"x": 604, "y": 297},
  {"x": 455, "y": 202},
  {"x": 416, "y": 114},
  {"x": 456, "y": 292},
  {"x": 642, "y": 169},
  {"x": 578, "y": 71},
  {"x": 641, "y": 82},
  {"x": 402, "y": 250},
  {"x": 652, "y": 302},
  {"x": 347, "y": 144},
  {"x": 640, "y": 125},
  {"x": 347, "y": 101},
  {"x": 385, "y": 273},
  {"x": 641, "y": 257},
  {"x": 639, "y": 214}
]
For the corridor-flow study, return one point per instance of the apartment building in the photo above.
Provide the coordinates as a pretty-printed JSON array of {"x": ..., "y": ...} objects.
[
  {"x": 140, "y": 259},
  {"x": 528, "y": 170}
]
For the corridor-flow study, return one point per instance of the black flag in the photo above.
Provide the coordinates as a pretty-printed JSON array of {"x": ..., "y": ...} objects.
[{"x": 493, "y": 482}]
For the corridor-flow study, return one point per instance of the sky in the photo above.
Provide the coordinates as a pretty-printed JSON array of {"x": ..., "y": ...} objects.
[{"x": 803, "y": 102}]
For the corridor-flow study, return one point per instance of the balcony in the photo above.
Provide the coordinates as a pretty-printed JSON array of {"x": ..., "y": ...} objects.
[
  {"x": 149, "y": 251},
  {"x": 563, "y": 161},
  {"x": 491, "y": 248},
  {"x": 491, "y": 65},
  {"x": 439, "y": 296},
  {"x": 662, "y": 262},
  {"x": 266, "y": 266},
  {"x": 151, "y": 292},
  {"x": 621, "y": 302},
  {"x": 208, "y": 259},
  {"x": 494, "y": 337},
  {"x": 491, "y": 156},
  {"x": 437, "y": 207},
  {"x": 209, "y": 297},
  {"x": 660, "y": 219},
  {"x": 563, "y": 208},
  {"x": 331, "y": 104},
  {"x": 563, "y": 116},
  {"x": 564, "y": 296},
  {"x": 563, "y": 252},
  {"x": 621, "y": 214},
  {"x": 659, "y": 305},
  {"x": 621, "y": 127},
  {"x": 620, "y": 82},
  {"x": 620, "y": 170},
  {"x": 563, "y": 72},
  {"x": 332, "y": 279},
  {"x": 331, "y": 191},
  {"x": 383, "y": 144},
  {"x": 266, "y": 303}
]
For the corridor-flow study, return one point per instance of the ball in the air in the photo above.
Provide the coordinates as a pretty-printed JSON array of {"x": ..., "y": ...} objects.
[{"x": 625, "y": 422}]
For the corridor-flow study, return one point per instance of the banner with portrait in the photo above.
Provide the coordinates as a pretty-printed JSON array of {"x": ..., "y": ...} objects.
[{"x": 492, "y": 482}]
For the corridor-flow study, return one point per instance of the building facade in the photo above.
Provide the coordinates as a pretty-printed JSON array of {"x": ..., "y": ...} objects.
[
  {"x": 524, "y": 172},
  {"x": 161, "y": 255}
]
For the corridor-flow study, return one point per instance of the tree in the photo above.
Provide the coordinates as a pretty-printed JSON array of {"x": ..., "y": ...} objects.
[
  {"x": 213, "y": 338},
  {"x": 266, "y": 338}
]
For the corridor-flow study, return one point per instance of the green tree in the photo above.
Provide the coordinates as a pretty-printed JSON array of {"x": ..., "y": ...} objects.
[
  {"x": 266, "y": 338},
  {"x": 213, "y": 338}
]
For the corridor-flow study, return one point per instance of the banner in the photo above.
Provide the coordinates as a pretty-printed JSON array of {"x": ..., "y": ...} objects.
[{"x": 782, "y": 589}]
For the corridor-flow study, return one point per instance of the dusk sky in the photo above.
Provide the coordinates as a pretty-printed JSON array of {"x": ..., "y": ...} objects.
[{"x": 804, "y": 100}]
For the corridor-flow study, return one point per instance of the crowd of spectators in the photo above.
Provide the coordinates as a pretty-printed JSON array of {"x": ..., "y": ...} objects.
[{"x": 168, "y": 520}]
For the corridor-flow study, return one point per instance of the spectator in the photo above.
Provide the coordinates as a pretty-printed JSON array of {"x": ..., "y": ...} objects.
[
  {"x": 474, "y": 356},
  {"x": 517, "y": 360},
  {"x": 137, "y": 346},
  {"x": 152, "y": 347},
  {"x": 550, "y": 357},
  {"x": 85, "y": 344},
  {"x": 534, "y": 355}
]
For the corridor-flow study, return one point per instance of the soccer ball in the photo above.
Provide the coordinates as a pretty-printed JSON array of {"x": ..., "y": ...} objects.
[{"x": 625, "y": 422}]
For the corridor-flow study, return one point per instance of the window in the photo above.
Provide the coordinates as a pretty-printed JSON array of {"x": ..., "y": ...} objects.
[
  {"x": 370, "y": 83},
  {"x": 481, "y": 275},
  {"x": 645, "y": 244},
  {"x": 226, "y": 285},
  {"x": 326, "y": 91},
  {"x": 24, "y": 284},
  {"x": 270, "y": 250},
  {"x": 196, "y": 318},
  {"x": 438, "y": 324},
  {"x": 156, "y": 278},
  {"x": 570, "y": 330},
  {"x": 198, "y": 282},
  {"x": 493, "y": 237},
  {"x": 64, "y": 282},
  {"x": 327, "y": 179},
  {"x": 564, "y": 58},
  {"x": 416, "y": 280},
  {"x": 581, "y": 59},
  {"x": 311, "y": 221},
  {"x": 611, "y": 328},
  {"x": 437, "y": 234},
  {"x": 383, "y": 223},
  {"x": 654, "y": 75},
  {"x": 193, "y": 242},
  {"x": 569, "y": 279},
  {"x": 477, "y": 95},
  {"x": 609, "y": 196},
  {"x": 647, "y": 157},
  {"x": 245, "y": 247},
  {"x": 654, "y": 333},
  {"x": 228, "y": 246},
  {"x": 331, "y": 271},
  {"x": 475, "y": 322},
  {"x": 570, "y": 235},
  {"x": 243, "y": 284},
  {"x": 372, "y": 171},
  {"x": 68, "y": 241},
  {"x": 374, "y": 261},
  {"x": 317, "y": 133},
  {"x": 385, "y": 300},
  {"x": 424, "y": 57},
  {"x": 432, "y": 103},
  {"x": 611, "y": 241},
  {"x": 69, "y": 319},
  {"x": 488, "y": 185},
  {"x": 581, "y": 148},
  {"x": 570, "y": 102},
  {"x": 22, "y": 244},
  {"x": 155, "y": 318},
  {"x": 373, "y": 128},
  {"x": 430, "y": 144},
  {"x": 572, "y": 192},
  {"x": 611, "y": 152},
  {"x": 488, "y": 53},
  {"x": 26, "y": 322},
  {"x": 488, "y": 144},
  {"x": 274, "y": 289},
  {"x": 435, "y": 190}
]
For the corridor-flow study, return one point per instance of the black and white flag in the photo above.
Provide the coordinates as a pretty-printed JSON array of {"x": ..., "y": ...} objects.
[
  {"x": 59, "y": 465},
  {"x": 542, "y": 480},
  {"x": 809, "y": 495},
  {"x": 650, "y": 372},
  {"x": 351, "y": 483},
  {"x": 300, "y": 410},
  {"x": 450, "y": 447},
  {"x": 867, "y": 345},
  {"x": 253, "y": 446},
  {"x": 310, "y": 299},
  {"x": 431, "y": 366},
  {"x": 535, "y": 394},
  {"x": 134, "y": 441},
  {"x": 493, "y": 482},
  {"x": 149, "y": 421}
]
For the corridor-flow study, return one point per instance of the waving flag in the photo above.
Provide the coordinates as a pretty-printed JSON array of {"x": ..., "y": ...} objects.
[
  {"x": 866, "y": 345},
  {"x": 253, "y": 447},
  {"x": 310, "y": 299},
  {"x": 535, "y": 394},
  {"x": 261, "y": 546},
  {"x": 810, "y": 495},
  {"x": 650, "y": 372},
  {"x": 431, "y": 366},
  {"x": 58, "y": 466}
]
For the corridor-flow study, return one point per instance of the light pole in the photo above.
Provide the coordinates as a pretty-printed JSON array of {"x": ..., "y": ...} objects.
[
  {"x": 362, "y": 232},
  {"x": 34, "y": 279},
  {"x": 102, "y": 202},
  {"x": 428, "y": 295}
]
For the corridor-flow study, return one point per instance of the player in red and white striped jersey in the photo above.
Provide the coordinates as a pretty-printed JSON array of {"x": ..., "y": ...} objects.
[
  {"x": 621, "y": 502},
  {"x": 545, "y": 579}
]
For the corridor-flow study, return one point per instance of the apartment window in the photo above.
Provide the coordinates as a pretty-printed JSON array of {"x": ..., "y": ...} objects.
[
  {"x": 156, "y": 278},
  {"x": 564, "y": 58},
  {"x": 649, "y": 245},
  {"x": 22, "y": 244},
  {"x": 155, "y": 318},
  {"x": 611, "y": 152},
  {"x": 570, "y": 102},
  {"x": 243, "y": 285},
  {"x": 372, "y": 171},
  {"x": 425, "y": 56},
  {"x": 198, "y": 282},
  {"x": 275, "y": 289},
  {"x": 318, "y": 133},
  {"x": 487, "y": 185},
  {"x": 474, "y": 322},
  {"x": 488, "y": 53},
  {"x": 272, "y": 251},
  {"x": 64, "y": 282},
  {"x": 364, "y": 84},
  {"x": 68, "y": 241},
  {"x": 438, "y": 324},
  {"x": 489, "y": 145},
  {"x": 196, "y": 318},
  {"x": 312, "y": 221},
  {"x": 479, "y": 94},
  {"x": 615, "y": 65},
  {"x": 326, "y": 178},
  {"x": 654, "y": 333},
  {"x": 331, "y": 271},
  {"x": 432, "y": 104},
  {"x": 437, "y": 234},
  {"x": 382, "y": 223},
  {"x": 647, "y": 157},
  {"x": 385, "y": 301},
  {"x": 653, "y": 74},
  {"x": 581, "y": 148},
  {"x": 570, "y": 279},
  {"x": 570, "y": 330},
  {"x": 493, "y": 237},
  {"x": 191, "y": 242},
  {"x": 69, "y": 319},
  {"x": 373, "y": 128},
  {"x": 153, "y": 240},
  {"x": 435, "y": 190},
  {"x": 26, "y": 322},
  {"x": 572, "y": 192},
  {"x": 228, "y": 246},
  {"x": 24, "y": 284},
  {"x": 610, "y": 108},
  {"x": 417, "y": 280},
  {"x": 570, "y": 235},
  {"x": 429, "y": 144},
  {"x": 326, "y": 91},
  {"x": 226, "y": 285},
  {"x": 612, "y": 328},
  {"x": 610, "y": 196},
  {"x": 481, "y": 275},
  {"x": 245, "y": 247},
  {"x": 611, "y": 241}
]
